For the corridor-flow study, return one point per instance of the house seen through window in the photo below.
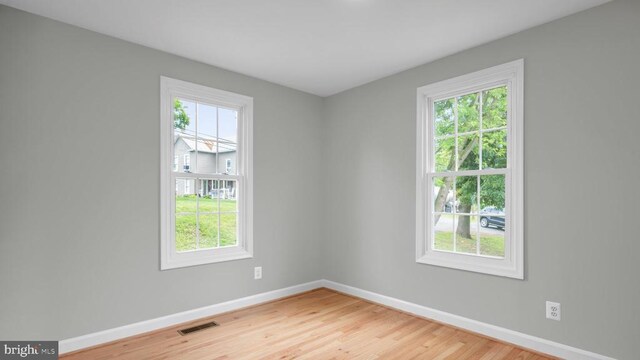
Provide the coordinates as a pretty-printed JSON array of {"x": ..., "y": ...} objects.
[
  {"x": 206, "y": 211},
  {"x": 208, "y": 217}
]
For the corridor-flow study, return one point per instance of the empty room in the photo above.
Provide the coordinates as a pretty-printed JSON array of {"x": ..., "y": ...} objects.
[{"x": 328, "y": 179}]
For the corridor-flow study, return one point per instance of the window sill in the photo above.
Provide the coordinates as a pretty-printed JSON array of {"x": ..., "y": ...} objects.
[
  {"x": 479, "y": 264},
  {"x": 202, "y": 257}
]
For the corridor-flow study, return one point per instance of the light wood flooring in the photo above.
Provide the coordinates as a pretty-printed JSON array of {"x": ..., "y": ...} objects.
[{"x": 320, "y": 324}]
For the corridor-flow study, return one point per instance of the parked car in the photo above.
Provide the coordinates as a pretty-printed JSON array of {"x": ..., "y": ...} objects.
[{"x": 492, "y": 216}]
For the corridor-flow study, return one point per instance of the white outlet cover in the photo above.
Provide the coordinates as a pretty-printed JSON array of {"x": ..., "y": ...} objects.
[
  {"x": 553, "y": 310},
  {"x": 257, "y": 272}
]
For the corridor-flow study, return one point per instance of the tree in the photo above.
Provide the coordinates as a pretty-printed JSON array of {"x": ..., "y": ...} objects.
[
  {"x": 180, "y": 118},
  {"x": 491, "y": 105}
]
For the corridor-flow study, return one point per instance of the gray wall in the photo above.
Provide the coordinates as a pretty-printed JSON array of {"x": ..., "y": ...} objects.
[
  {"x": 82, "y": 110},
  {"x": 582, "y": 129}
]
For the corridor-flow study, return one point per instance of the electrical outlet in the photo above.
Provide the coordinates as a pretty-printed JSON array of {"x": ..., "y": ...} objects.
[
  {"x": 553, "y": 311},
  {"x": 257, "y": 272}
]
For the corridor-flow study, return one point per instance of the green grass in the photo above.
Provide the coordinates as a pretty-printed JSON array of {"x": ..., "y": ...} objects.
[
  {"x": 492, "y": 245},
  {"x": 187, "y": 204},
  {"x": 208, "y": 221}
]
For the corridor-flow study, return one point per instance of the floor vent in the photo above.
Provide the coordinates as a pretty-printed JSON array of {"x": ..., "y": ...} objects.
[{"x": 189, "y": 330}]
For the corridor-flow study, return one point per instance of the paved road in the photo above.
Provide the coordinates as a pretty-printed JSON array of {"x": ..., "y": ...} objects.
[{"x": 446, "y": 224}]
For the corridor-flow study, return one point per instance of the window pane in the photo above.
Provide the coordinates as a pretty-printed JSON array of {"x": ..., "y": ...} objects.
[
  {"x": 184, "y": 131},
  {"x": 218, "y": 213},
  {"x": 184, "y": 115},
  {"x": 492, "y": 194},
  {"x": 492, "y": 218},
  {"x": 468, "y": 113},
  {"x": 444, "y": 117},
  {"x": 494, "y": 108},
  {"x": 466, "y": 235},
  {"x": 208, "y": 200},
  {"x": 492, "y": 235},
  {"x": 206, "y": 138},
  {"x": 228, "y": 229},
  {"x": 467, "y": 194},
  {"x": 185, "y": 189},
  {"x": 186, "y": 233},
  {"x": 444, "y": 150},
  {"x": 227, "y": 141},
  {"x": 468, "y": 152},
  {"x": 208, "y": 213},
  {"x": 185, "y": 220},
  {"x": 443, "y": 231},
  {"x": 443, "y": 194},
  {"x": 494, "y": 149},
  {"x": 208, "y": 223},
  {"x": 228, "y": 195},
  {"x": 227, "y": 162},
  {"x": 184, "y": 156}
]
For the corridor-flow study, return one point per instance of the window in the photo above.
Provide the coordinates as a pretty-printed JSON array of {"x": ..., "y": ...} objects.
[
  {"x": 206, "y": 210},
  {"x": 228, "y": 166},
  {"x": 186, "y": 165},
  {"x": 470, "y": 172}
]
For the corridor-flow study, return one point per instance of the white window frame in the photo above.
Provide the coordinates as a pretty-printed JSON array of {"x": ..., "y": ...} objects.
[
  {"x": 170, "y": 258},
  {"x": 228, "y": 166},
  {"x": 186, "y": 161},
  {"x": 512, "y": 265}
]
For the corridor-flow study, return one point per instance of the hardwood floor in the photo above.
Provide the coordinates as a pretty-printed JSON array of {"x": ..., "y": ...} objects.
[{"x": 320, "y": 324}]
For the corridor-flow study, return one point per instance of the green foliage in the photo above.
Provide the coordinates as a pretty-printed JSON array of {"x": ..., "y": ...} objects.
[
  {"x": 470, "y": 109},
  {"x": 494, "y": 108},
  {"x": 444, "y": 153},
  {"x": 180, "y": 118},
  {"x": 492, "y": 191},
  {"x": 468, "y": 113},
  {"x": 467, "y": 189},
  {"x": 494, "y": 149},
  {"x": 466, "y": 143},
  {"x": 444, "y": 117}
]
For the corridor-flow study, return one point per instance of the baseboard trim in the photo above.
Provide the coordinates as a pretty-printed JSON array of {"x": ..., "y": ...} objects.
[
  {"x": 101, "y": 337},
  {"x": 493, "y": 331},
  {"x": 517, "y": 338}
]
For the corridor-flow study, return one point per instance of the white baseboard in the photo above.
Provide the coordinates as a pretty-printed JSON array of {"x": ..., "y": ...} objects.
[
  {"x": 496, "y": 332},
  {"x": 121, "y": 332}
]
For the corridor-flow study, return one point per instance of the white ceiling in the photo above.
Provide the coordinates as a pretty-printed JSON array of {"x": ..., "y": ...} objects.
[{"x": 318, "y": 46}]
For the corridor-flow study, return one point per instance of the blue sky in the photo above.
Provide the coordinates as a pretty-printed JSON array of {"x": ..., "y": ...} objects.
[{"x": 227, "y": 126}]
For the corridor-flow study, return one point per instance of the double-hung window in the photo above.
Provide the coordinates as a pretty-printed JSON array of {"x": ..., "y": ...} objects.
[
  {"x": 206, "y": 207},
  {"x": 470, "y": 172}
]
